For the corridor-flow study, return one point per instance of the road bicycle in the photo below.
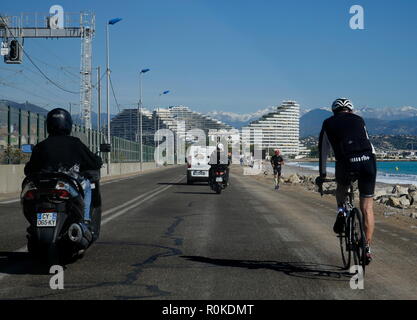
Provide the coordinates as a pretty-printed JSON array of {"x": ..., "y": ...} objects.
[{"x": 352, "y": 239}]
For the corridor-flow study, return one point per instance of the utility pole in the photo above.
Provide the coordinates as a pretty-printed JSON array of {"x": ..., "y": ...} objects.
[
  {"x": 99, "y": 106},
  {"x": 98, "y": 99},
  {"x": 108, "y": 97}
]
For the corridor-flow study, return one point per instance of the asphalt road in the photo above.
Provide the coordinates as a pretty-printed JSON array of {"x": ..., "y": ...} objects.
[{"x": 163, "y": 239}]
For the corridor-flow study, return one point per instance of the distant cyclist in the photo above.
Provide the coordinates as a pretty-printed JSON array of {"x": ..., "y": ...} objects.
[
  {"x": 346, "y": 134},
  {"x": 277, "y": 162}
]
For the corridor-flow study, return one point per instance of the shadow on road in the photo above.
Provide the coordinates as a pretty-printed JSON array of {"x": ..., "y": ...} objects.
[
  {"x": 21, "y": 263},
  {"x": 295, "y": 269},
  {"x": 213, "y": 193},
  {"x": 182, "y": 184}
]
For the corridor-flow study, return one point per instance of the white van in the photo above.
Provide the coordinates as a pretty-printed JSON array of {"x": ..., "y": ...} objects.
[{"x": 197, "y": 162}]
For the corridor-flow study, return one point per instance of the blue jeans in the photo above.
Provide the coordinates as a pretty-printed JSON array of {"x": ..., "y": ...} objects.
[{"x": 86, "y": 184}]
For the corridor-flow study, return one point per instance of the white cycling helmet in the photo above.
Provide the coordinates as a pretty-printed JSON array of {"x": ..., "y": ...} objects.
[
  {"x": 342, "y": 103},
  {"x": 220, "y": 146}
]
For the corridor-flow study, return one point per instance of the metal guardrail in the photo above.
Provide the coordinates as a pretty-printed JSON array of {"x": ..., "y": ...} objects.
[{"x": 18, "y": 127}]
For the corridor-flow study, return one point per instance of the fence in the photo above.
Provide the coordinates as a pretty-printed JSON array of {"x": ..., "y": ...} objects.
[{"x": 19, "y": 127}]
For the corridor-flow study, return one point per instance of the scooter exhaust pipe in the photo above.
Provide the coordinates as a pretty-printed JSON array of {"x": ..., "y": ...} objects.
[
  {"x": 75, "y": 233},
  {"x": 80, "y": 234}
]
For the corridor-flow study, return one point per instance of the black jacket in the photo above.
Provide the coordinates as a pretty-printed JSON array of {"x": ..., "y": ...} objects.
[
  {"x": 57, "y": 152},
  {"x": 346, "y": 134},
  {"x": 219, "y": 158}
]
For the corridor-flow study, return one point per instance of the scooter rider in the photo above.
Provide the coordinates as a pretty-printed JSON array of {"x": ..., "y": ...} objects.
[
  {"x": 60, "y": 151},
  {"x": 217, "y": 158}
]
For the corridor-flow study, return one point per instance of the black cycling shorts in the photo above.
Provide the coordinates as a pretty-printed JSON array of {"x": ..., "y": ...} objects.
[
  {"x": 277, "y": 171},
  {"x": 361, "y": 168}
]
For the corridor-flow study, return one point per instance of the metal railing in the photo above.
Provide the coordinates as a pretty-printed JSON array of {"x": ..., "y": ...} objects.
[{"x": 19, "y": 127}]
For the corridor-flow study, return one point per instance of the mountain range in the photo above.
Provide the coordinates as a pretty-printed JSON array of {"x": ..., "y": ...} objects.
[{"x": 403, "y": 124}]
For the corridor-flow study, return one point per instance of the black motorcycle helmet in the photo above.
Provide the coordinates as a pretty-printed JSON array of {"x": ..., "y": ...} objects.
[{"x": 59, "y": 122}]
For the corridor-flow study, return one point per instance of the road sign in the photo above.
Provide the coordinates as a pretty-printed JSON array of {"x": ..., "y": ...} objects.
[{"x": 4, "y": 49}]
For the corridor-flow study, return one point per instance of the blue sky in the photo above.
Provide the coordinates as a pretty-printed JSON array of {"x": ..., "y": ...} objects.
[{"x": 233, "y": 55}]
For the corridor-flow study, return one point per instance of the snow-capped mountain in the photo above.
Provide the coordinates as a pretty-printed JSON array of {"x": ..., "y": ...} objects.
[
  {"x": 387, "y": 113},
  {"x": 238, "y": 120}
]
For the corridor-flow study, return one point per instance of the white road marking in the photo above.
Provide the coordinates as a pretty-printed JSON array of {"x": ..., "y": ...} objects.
[
  {"x": 134, "y": 205},
  {"x": 9, "y": 201}
]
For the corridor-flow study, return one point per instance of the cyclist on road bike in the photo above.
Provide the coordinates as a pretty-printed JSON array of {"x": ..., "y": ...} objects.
[
  {"x": 277, "y": 162},
  {"x": 346, "y": 134}
]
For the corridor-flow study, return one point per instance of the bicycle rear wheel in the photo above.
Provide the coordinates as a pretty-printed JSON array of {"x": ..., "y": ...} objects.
[
  {"x": 359, "y": 240},
  {"x": 345, "y": 246}
]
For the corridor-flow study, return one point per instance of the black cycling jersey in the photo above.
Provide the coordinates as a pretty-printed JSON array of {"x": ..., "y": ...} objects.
[
  {"x": 276, "y": 161},
  {"x": 346, "y": 134}
]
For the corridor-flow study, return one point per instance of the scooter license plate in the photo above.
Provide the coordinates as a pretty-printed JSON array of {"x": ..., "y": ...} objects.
[
  {"x": 47, "y": 219},
  {"x": 219, "y": 179}
]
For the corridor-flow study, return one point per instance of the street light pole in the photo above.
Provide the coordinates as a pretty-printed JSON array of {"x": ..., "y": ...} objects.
[
  {"x": 110, "y": 22},
  {"x": 99, "y": 106},
  {"x": 108, "y": 97},
  {"x": 161, "y": 94},
  {"x": 139, "y": 120}
]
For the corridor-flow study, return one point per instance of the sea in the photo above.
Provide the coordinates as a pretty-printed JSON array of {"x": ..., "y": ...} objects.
[{"x": 391, "y": 172}]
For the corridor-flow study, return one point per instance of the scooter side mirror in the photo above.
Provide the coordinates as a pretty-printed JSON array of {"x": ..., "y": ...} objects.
[{"x": 27, "y": 148}]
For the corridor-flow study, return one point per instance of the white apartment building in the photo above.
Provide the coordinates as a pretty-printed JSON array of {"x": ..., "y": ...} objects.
[{"x": 277, "y": 130}]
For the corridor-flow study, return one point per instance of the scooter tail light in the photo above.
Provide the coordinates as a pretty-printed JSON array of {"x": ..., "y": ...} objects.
[
  {"x": 61, "y": 194},
  {"x": 29, "y": 195}
]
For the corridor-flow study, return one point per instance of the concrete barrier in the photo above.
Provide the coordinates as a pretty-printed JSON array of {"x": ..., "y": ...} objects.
[{"x": 11, "y": 176}]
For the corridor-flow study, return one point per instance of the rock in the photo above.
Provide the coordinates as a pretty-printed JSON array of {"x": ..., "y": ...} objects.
[
  {"x": 412, "y": 189},
  {"x": 293, "y": 179},
  {"x": 394, "y": 202},
  {"x": 383, "y": 200},
  {"x": 413, "y": 197},
  {"x": 399, "y": 190},
  {"x": 413, "y": 215},
  {"x": 404, "y": 202}
]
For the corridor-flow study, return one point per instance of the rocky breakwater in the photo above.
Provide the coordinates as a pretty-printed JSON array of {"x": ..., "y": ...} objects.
[{"x": 394, "y": 196}]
